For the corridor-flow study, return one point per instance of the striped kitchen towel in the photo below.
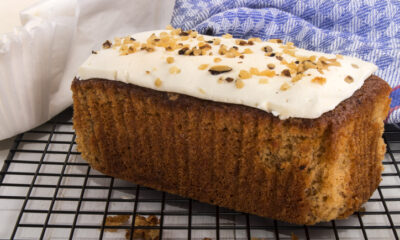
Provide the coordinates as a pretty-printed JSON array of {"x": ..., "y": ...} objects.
[{"x": 367, "y": 29}]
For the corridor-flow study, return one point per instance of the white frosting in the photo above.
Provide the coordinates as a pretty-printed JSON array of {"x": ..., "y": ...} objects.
[{"x": 303, "y": 99}]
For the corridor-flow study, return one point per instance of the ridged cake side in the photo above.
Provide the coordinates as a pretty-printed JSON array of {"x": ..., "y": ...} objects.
[{"x": 297, "y": 170}]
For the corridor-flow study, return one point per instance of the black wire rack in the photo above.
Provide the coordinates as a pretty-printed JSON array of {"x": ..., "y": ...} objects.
[{"x": 47, "y": 191}]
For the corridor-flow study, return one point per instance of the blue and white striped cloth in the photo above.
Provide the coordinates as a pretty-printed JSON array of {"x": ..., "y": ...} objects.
[{"x": 367, "y": 29}]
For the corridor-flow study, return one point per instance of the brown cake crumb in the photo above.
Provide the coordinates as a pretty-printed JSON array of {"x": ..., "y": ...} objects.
[
  {"x": 319, "y": 80},
  {"x": 146, "y": 234},
  {"x": 349, "y": 79},
  {"x": 117, "y": 220},
  {"x": 170, "y": 60},
  {"x": 271, "y": 66}
]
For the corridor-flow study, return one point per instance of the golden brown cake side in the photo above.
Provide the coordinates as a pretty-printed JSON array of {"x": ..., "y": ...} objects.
[{"x": 296, "y": 170}]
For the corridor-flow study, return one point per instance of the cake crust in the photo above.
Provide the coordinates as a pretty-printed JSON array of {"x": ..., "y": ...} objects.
[{"x": 296, "y": 170}]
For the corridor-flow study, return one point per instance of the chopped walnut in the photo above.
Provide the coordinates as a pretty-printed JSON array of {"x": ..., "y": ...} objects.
[
  {"x": 174, "y": 70},
  {"x": 227, "y": 35},
  {"x": 239, "y": 83},
  {"x": 217, "y": 59},
  {"x": 203, "y": 66},
  {"x": 271, "y": 66},
  {"x": 229, "y": 79},
  {"x": 349, "y": 79},
  {"x": 243, "y": 74},
  {"x": 267, "y": 49},
  {"x": 247, "y": 51},
  {"x": 319, "y": 80},
  {"x": 157, "y": 82},
  {"x": 285, "y": 86},
  {"x": 286, "y": 73},
  {"x": 218, "y": 69},
  {"x": 170, "y": 60}
]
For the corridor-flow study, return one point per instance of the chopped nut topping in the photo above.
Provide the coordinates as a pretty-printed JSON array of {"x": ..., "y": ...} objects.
[
  {"x": 202, "y": 91},
  {"x": 157, "y": 82},
  {"x": 254, "y": 71},
  {"x": 184, "y": 33},
  {"x": 280, "y": 58},
  {"x": 147, "y": 72},
  {"x": 174, "y": 70},
  {"x": 169, "y": 27},
  {"x": 183, "y": 50},
  {"x": 275, "y": 40},
  {"x": 267, "y": 49},
  {"x": 107, "y": 44},
  {"x": 229, "y": 79},
  {"x": 338, "y": 56},
  {"x": 285, "y": 86},
  {"x": 267, "y": 73},
  {"x": 227, "y": 35},
  {"x": 239, "y": 83},
  {"x": 94, "y": 52},
  {"x": 297, "y": 77},
  {"x": 263, "y": 81},
  {"x": 286, "y": 73},
  {"x": 349, "y": 79},
  {"x": 170, "y": 60},
  {"x": 255, "y": 39},
  {"x": 354, "y": 65},
  {"x": 243, "y": 74},
  {"x": 203, "y": 66},
  {"x": 319, "y": 80},
  {"x": 218, "y": 69},
  {"x": 247, "y": 51},
  {"x": 271, "y": 66},
  {"x": 217, "y": 41},
  {"x": 217, "y": 59}
]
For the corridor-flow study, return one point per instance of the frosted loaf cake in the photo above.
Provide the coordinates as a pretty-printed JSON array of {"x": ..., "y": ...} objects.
[{"x": 260, "y": 127}]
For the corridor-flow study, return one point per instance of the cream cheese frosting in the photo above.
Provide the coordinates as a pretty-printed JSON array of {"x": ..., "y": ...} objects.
[{"x": 274, "y": 77}]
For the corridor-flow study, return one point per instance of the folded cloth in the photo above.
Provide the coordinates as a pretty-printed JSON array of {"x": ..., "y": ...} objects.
[{"x": 367, "y": 29}]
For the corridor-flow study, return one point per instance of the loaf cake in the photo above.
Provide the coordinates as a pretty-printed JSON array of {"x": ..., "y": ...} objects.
[{"x": 260, "y": 127}]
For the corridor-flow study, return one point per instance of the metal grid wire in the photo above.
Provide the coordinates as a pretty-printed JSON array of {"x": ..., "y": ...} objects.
[{"x": 58, "y": 196}]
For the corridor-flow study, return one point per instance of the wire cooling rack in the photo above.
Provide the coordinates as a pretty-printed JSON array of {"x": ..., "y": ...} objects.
[{"x": 47, "y": 191}]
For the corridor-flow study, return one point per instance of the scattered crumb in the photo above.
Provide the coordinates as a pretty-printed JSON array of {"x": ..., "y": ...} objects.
[
  {"x": 107, "y": 44},
  {"x": 247, "y": 51},
  {"x": 202, "y": 91},
  {"x": 286, "y": 73},
  {"x": 118, "y": 220},
  {"x": 227, "y": 35},
  {"x": 354, "y": 65},
  {"x": 263, "y": 81},
  {"x": 217, "y": 59},
  {"x": 218, "y": 69},
  {"x": 147, "y": 234}
]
